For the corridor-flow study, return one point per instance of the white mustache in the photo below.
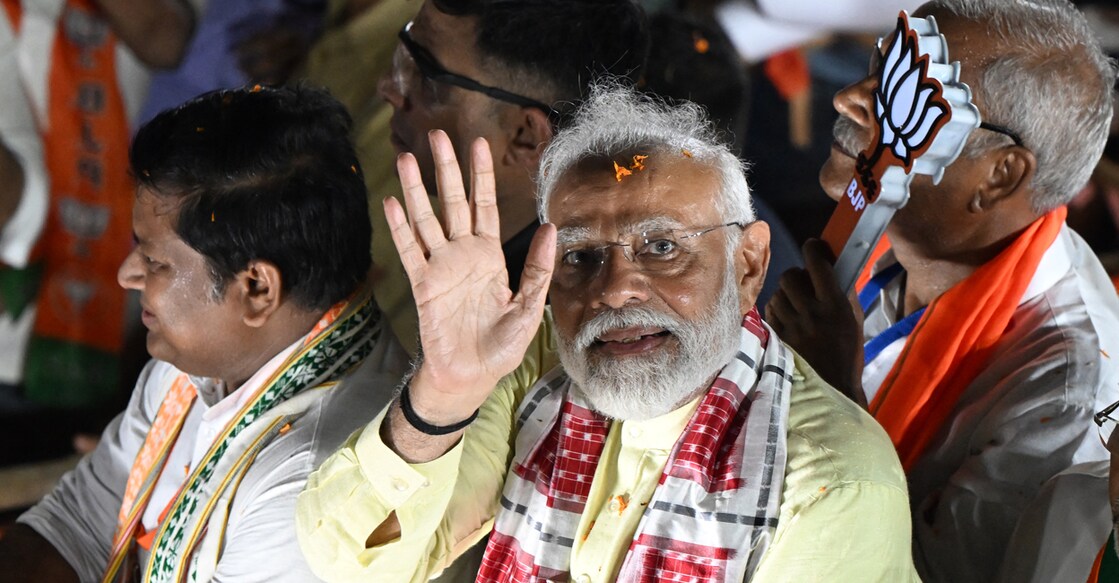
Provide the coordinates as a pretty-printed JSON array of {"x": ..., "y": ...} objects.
[{"x": 623, "y": 318}]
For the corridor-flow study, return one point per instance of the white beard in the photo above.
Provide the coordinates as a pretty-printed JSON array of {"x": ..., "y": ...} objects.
[{"x": 648, "y": 386}]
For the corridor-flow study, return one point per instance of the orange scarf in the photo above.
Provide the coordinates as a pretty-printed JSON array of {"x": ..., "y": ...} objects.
[
  {"x": 79, "y": 326},
  {"x": 952, "y": 342}
]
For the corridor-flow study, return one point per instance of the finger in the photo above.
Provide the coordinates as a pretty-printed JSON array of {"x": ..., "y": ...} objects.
[
  {"x": 799, "y": 293},
  {"x": 429, "y": 233},
  {"x": 776, "y": 310},
  {"x": 408, "y": 170},
  {"x": 448, "y": 177},
  {"x": 537, "y": 274},
  {"x": 483, "y": 190},
  {"x": 818, "y": 261},
  {"x": 411, "y": 254}
]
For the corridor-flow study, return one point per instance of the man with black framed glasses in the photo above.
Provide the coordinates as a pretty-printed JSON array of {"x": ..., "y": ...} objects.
[
  {"x": 505, "y": 71},
  {"x": 991, "y": 330}
]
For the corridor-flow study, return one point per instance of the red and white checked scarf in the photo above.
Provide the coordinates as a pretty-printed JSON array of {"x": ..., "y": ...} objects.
[{"x": 713, "y": 514}]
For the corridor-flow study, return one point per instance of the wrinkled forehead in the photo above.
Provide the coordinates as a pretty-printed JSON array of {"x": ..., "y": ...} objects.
[
  {"x": 635, "y": 190},
  {"x": 973, "y": 43}
]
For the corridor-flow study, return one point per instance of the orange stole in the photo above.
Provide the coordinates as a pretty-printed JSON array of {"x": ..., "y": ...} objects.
[
  {"x": 79, "y": 325},
  {"x": 952, "y": 342}
]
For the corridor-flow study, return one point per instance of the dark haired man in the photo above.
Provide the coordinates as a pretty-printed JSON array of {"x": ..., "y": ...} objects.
[
  {"x": 251, "y": 253},
  {"x": 505, "y": 71}
]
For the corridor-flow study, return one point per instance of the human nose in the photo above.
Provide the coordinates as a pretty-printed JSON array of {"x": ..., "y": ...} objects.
[
  {"x": 856, "y": 101},
  {"x": 130, "y": 275},
  {"x": 620, "y": 281},
  {"x": 390, "y": 85}
]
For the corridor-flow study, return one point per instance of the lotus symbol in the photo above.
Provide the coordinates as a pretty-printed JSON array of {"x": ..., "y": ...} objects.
[{"x": 904, "y": 103}]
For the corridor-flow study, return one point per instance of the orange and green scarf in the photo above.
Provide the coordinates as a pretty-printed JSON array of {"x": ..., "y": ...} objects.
[
  {"x": 72, "y": 355},
  {"x": 343, "y": 337}
]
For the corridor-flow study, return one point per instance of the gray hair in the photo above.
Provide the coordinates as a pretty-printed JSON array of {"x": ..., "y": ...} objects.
[
  {"x": 616, "y": 119},
  {"x": 1050, "y": 82}
]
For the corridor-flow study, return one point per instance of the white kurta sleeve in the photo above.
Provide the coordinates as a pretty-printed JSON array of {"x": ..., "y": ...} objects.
[{"x": 79, "y": 516}]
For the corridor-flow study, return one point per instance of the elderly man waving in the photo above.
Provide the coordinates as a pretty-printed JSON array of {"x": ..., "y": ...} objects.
[{"x": 679, "y": 438}]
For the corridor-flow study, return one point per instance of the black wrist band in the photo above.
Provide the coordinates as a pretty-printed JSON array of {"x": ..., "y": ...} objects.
[{"x": 423, "y": 426}]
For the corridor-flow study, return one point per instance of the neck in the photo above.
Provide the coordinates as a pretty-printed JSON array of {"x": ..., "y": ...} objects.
[
  {"x": 931, "y": 271},
  {"x": 264, "y": 343}
]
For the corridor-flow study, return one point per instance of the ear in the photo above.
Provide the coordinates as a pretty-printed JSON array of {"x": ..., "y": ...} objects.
[
  {"x": 1008, "y": 181},
  {"x": 529, "y": 131},
  {"x": 260, "y": 286},
  {"x": 751, "y": 261}
]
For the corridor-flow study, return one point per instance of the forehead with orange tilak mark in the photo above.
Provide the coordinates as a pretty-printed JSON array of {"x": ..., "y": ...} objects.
[{"x": 590, "y": 195}]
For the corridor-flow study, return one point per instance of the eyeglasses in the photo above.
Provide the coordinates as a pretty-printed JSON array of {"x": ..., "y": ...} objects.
[
  {"x": 654, "y": 252},
  {"x": 876, "y": 62},
  {"x": 1101, "y": 420},
  {"x": 424, "y": 62}
]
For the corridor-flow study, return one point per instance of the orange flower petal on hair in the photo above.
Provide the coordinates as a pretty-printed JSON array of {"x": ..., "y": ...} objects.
[
  {"x": 212, "y": 216},
  {"x": 256, "y": 88},
  {"x": 700, "y": 44},
  {"x": 620, "y": 172},
  {"x": 353, "y": 168},
  {"x": 686, "y": 153},
  {"x": 638, "y": 162}
]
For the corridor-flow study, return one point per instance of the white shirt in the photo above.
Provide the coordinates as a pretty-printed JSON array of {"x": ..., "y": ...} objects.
[
  {"x": 216, "y": 413},
  {"x": 1025, "y": 419},
  {"x": 258, "y": 542}
]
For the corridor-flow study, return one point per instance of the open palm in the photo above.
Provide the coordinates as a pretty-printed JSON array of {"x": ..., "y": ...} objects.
[{"x": 473, "y": 329}]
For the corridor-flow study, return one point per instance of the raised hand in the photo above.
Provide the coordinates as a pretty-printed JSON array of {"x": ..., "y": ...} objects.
[
  {"x": 811, "y": 314},
  {"x": 473, "y": 329}
]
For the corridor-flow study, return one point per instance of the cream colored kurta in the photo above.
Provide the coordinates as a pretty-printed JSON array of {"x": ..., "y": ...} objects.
[{"x": 843, "y": 514}]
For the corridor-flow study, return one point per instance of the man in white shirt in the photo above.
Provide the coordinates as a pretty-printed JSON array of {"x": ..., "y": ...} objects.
[
  {"x": 251, "y": 256},
  {"x": 991, "y": 329}
]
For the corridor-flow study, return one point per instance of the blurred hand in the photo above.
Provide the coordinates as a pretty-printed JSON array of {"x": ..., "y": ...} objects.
[
  {"x": 811, "y": 314},
  {"x": 270, "y": 56}
]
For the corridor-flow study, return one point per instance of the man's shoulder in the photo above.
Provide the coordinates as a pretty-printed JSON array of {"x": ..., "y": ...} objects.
[
  {"x": 1069, "y": 331},
  {"x": 833, "y": 442}
]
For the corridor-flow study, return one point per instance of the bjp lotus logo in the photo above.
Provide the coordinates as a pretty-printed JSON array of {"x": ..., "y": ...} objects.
[{"x": 909, "y": 108}]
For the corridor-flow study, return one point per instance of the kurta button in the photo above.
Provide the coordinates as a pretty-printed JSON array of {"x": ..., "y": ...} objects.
[
  {"x": 583, "y": 579},
  {"x": 399, "y": 484}
]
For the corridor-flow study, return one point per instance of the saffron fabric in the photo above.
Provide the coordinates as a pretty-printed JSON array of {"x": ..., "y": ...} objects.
[
  {"x": 1026, "y": 417},
  {"x": 952, "y": 342},
  {"x": 71, "y": 231}
]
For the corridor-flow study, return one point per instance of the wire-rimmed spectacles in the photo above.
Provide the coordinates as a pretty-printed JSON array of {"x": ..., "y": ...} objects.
[{"x": 656, "y": 251}]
